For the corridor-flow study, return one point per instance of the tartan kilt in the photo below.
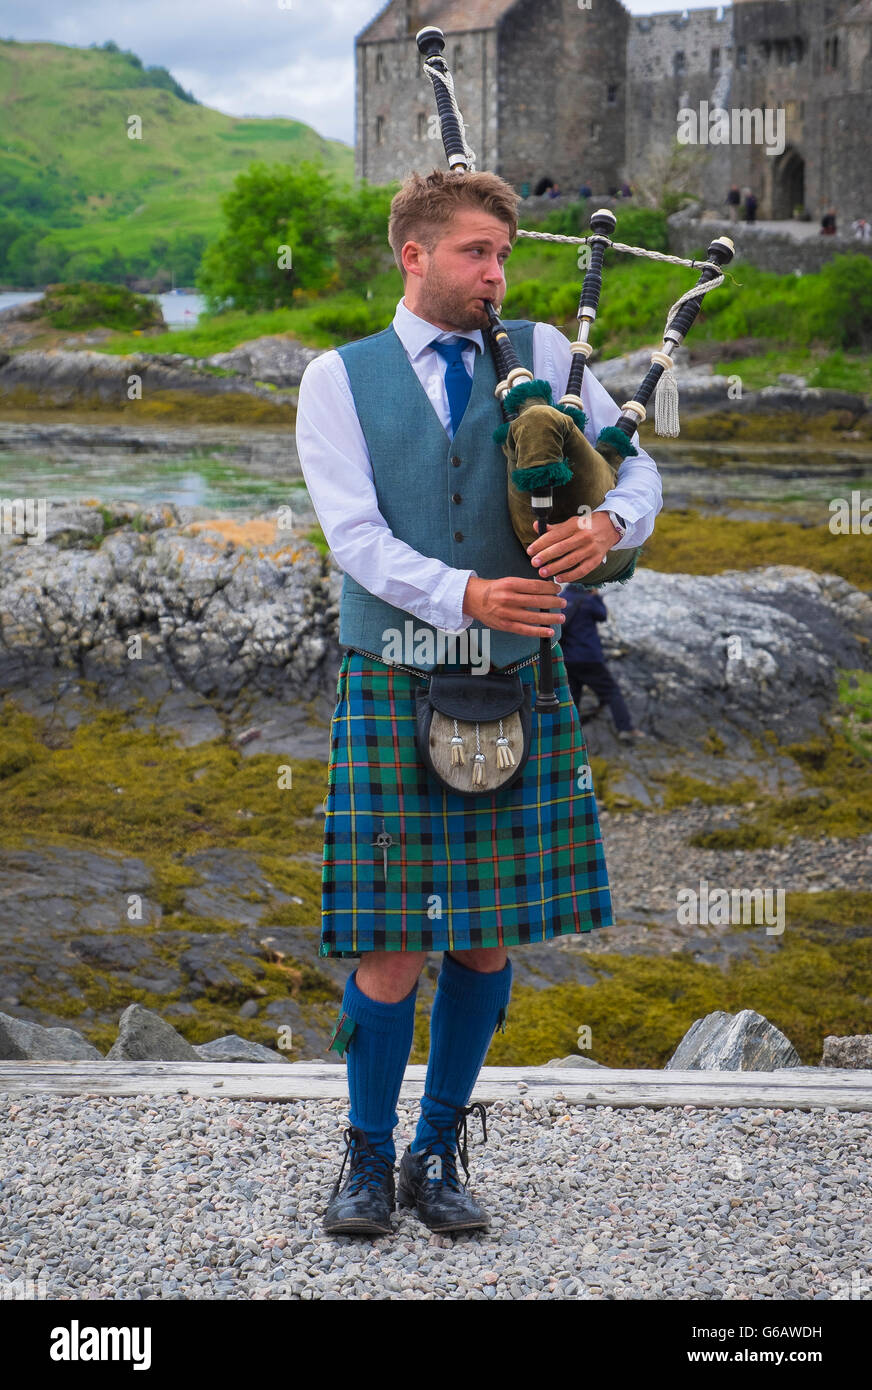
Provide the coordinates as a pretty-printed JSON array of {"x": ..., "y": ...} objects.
[{"x": 523, "y": 865}]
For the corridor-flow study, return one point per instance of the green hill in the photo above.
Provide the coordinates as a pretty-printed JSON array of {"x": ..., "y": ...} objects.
[{"x": 80, "y": 199}]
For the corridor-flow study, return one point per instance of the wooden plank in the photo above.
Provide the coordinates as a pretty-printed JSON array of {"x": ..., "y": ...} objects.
[{"x": 789, "y": 1089}]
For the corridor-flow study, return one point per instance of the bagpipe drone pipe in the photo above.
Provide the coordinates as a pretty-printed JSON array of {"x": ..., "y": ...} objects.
[{"x": 553, "y": 471}]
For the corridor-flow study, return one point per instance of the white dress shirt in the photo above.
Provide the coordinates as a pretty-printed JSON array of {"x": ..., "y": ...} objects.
[{"x": 338, "y": 473}]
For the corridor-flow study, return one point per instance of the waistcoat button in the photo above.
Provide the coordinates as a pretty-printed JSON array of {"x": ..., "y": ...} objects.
[
  {"x": 458, "y": 535},
  {"x": 455, "y": 497},
  {"x": 456, "y": 461}
]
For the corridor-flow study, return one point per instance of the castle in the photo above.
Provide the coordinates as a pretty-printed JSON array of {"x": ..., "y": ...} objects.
[{"x": 773, "y": 92}]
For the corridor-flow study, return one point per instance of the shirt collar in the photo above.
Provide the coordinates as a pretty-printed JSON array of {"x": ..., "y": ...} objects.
[{"x": 416, "y": 334}]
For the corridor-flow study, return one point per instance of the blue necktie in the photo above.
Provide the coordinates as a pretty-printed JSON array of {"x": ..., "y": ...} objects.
[{"x": 458, "y": 382}]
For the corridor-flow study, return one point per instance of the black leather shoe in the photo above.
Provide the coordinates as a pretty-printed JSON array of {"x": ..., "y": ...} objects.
[
  {"x": 364, "y": 1205},
  {"x": 428, "y": 1180}
]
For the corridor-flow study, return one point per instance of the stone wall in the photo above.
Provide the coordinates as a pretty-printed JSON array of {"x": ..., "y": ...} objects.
[
  {"x": 594, "y": 94},
  {"x": 569, "y": 126},
  {"x": 758, "y": 246},
  {"x": 396, "y": 129}
]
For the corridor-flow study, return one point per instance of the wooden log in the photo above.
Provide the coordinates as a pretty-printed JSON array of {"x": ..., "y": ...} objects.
[{"x": 788, "y": 1089}]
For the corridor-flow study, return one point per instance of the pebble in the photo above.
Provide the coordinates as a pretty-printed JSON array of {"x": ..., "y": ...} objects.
[{"x": 621, "y": 1203}]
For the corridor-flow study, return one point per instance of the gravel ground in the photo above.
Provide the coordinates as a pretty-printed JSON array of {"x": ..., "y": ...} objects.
[{"x": 178, "y": 1197}]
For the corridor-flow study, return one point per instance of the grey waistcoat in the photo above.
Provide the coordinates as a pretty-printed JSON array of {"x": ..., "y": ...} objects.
[{"x": 445, "y": 498}]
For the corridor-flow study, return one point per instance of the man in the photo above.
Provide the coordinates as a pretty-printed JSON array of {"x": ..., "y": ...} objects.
[
  {"x": 395, "y": 437},
  {"x": 585, "y": 662}
]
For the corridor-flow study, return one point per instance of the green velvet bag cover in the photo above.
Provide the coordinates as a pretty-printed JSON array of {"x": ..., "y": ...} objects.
[{"x": 544, "y": 444}]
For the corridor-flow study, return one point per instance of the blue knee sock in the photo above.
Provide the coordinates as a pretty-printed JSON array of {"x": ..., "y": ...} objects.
[
  {"x": 468, "y": 1006},
  {"x": 378, "y": 1045}
]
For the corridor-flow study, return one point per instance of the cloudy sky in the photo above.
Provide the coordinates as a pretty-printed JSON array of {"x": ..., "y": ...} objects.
[{"x": 244, "y": 57}]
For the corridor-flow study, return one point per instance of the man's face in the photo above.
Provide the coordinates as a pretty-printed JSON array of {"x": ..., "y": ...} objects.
[{"x": 446, "y": 286}]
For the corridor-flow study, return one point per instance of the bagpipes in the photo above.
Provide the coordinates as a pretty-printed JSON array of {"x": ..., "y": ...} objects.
[{"x": 554, "y": 472}]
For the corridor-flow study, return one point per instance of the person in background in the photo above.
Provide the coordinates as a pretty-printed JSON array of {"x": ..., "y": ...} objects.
[
  {"x": 828, "y": 222},
  {"x": 862, "y": 229},
  {"x": 585, "y": 191},
  {"x": 734, "y": 198},
  {"x": 584, "y": 660},
  {"x": 750, "y": 206}
]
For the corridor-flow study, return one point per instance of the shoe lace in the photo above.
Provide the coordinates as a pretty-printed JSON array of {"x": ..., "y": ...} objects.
[
  {"x": 368, "y": 1166},
  {"x": 451, "y": 1137}
]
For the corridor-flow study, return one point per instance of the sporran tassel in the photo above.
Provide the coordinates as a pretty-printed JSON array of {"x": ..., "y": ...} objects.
[
  {"x": 505, "y": 756},
  {"x": 478, "y": 762},
  {"x": 457, "y": 756}
]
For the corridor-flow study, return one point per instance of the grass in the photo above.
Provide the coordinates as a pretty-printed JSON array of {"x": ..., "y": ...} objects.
[
  {"x": 818, "y": 981},
  {"x": 685, "y": 543}
]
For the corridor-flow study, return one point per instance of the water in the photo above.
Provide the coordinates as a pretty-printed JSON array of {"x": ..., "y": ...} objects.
[
  {"x": 245, "y": 470},
  {"x": 180, "y": 309},
  {"x": 219, "y": 469}
]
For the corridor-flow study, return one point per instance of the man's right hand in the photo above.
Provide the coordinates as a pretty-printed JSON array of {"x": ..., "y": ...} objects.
[{"x": 514, "y": 605}]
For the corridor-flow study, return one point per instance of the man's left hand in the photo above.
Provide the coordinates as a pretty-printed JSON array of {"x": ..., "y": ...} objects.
[{"x": 571, "y": 549}]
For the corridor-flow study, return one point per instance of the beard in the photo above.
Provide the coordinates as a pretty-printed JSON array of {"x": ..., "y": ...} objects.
[{"x": 443, "y": 300}]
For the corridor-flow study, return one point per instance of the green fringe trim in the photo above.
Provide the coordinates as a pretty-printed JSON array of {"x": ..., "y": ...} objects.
[
  {"x": 574, "y": 414},
  {"x": 523, "y": 391},
  {"x": 618, "y": 579},
  {"x": 618, "y": 440},
  {"x": 501, "y": 433},
  {"x": 342, "y": 1035},
  {"x": 539, "y": 477}
]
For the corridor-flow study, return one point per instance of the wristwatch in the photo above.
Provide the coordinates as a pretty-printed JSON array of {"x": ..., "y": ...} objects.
[{"x": 618, "y": 523}]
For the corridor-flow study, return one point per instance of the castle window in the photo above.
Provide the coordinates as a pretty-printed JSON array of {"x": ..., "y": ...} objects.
[
  {"x": 379, "y": 130},
  {"x": 422, "y": 125},
  {"x": 741, "y": 56},
  {"x": 831, "y": 52},
  {"x": 715, "y": 64},
  {"x": 594, "y": 130},
  {"x": 612, "y": 93},
  {"x": 458, "y": 58},
  {"x": 679, "y": 64},
  {"x": 379, "y": 67}
]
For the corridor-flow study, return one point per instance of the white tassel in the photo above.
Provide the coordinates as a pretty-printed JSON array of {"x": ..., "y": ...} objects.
[
  {"x": 505, "y": 756},
  {"x": 666, "y": 421},
  {"x": 457, "y": 758}
]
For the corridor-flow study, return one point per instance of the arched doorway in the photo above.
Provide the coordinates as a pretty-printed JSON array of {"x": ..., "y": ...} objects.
[{"x": 788, "y": 184}]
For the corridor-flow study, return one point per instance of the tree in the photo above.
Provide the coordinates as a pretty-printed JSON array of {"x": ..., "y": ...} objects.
[
  {"x": 360, "y": 236},
  {"x": 268, "y": 208}
]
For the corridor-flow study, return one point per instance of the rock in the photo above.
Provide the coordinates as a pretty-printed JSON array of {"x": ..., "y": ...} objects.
[
  {"x": 228, "y": 612},
  {"x": 22, "y": 1041},
  {"x": 235, "y": 1049},
  {"x": 731, "y": 651},
  {"x": 65, "y": 378},
  {"x": 144, "y": 1036},
  {"x": 112, "y": 952},
  {"x": 855, "y": 1051},
  {"x": 576, "y": 1060},
  {"x": 277, "y": 359},
  {"x": 733, "y": 1042}
]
